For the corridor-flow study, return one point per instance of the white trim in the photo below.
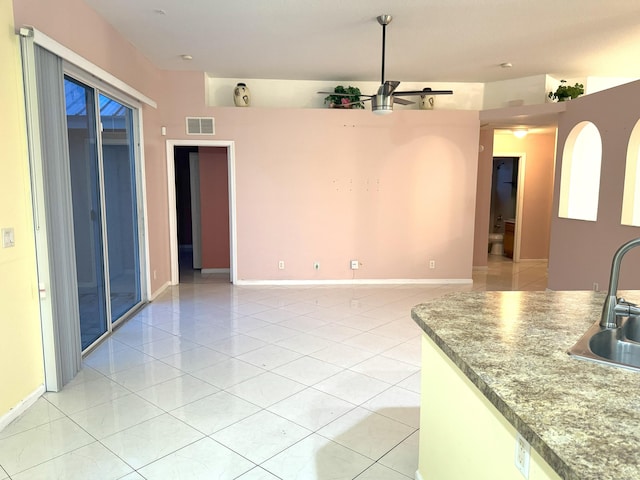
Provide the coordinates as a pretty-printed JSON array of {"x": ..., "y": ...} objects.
[
  {"x": 418, "y": 476},
  {"x": 171, "y": 194},
  {"x": 522, "y": 168},
  {"x": 72, "y": 57},
  {"x": 215, "y": 270},
  {"x": 389, "y": 281},
  {"x": 21, "y": 407},
  {"x": 52, "y": 379},
  {"x": 160, "y": 291},
  {"x": 143, "y": 243}
]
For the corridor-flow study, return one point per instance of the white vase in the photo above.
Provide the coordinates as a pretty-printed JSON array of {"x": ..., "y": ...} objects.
[
  {"x": 241, "y": 95},
  {"x": 426, "y": 102}
]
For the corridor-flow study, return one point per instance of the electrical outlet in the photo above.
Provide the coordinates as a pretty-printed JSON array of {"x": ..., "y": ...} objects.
[
  {"x": 316, "y": 265},
  {"x": 355, "y": 264},
  {"x": 155, "y": 274},
  {"x": 432, "y": 264},
  {"x": 522, "y": 456},
  {"x": 596, "y": 287},
  {"x": 281, "y": 265}
]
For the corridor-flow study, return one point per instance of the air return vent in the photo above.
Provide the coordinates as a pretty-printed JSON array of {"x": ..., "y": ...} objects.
[{"x": 201, "y": 126}]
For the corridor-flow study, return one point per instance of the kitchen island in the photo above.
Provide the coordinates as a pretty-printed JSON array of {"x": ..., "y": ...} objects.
[{"x": 495, "y": 365}]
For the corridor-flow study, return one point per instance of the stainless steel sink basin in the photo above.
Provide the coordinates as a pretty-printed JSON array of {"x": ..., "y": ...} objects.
[{"x": 619, "y": 347}]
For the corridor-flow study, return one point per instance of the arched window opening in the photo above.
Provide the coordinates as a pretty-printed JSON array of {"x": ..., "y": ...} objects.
[{"x": 580, "y": 175}]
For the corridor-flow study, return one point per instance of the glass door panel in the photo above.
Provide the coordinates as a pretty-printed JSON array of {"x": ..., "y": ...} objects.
[
  {"x": 87, "y": 215},
  {"x": 119, "y": 173}
]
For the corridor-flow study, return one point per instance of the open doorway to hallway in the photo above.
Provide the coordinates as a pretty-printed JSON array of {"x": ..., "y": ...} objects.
[
  {"x": 202, "y": 213},
  {"x": 504, "y": 198}
]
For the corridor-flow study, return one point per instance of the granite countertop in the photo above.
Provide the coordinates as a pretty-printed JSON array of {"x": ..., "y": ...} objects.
[{"x": 583, "y": 418}]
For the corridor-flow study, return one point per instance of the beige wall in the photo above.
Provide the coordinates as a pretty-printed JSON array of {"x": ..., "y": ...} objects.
[
  {"x": 581, "y": 251},
  {"x": 538, "y": 189},
  {"x": 21, "y": 363}
]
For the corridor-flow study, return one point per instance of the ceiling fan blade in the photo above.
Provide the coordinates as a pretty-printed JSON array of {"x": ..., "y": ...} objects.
[
  {"x": 389, "y": 87},
  {"x": 424, "y": 91},
  {"x": 402, "y": 101}
]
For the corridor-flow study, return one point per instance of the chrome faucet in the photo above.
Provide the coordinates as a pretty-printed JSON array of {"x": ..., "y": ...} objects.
[{"x": 615, "y": 307}]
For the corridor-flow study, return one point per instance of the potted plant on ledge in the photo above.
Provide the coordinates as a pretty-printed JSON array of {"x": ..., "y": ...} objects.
[
  {"x": 566, "y": 92},
  {"x": 349, "y": 94}
]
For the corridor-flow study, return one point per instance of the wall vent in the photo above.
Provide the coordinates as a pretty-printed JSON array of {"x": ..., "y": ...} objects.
[{"x": 201, "y": 126}]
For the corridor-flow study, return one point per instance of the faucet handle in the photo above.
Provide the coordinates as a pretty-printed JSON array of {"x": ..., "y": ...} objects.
[
  {"x": 626, "y": 309},
  {"x": 622, "y": 301}
]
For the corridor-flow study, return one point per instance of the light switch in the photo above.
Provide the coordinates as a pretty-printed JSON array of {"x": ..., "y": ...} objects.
[{"x": 8, "y": 239}]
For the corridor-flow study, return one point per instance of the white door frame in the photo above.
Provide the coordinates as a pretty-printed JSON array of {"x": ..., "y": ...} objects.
[{"x": 171, "y": 190}]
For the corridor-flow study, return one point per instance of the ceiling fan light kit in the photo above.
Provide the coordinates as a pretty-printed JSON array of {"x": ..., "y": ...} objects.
[{"x": 382, "y": 101}]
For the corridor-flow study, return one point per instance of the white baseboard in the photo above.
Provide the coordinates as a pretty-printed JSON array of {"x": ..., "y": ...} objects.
[
  {"x": 389, "y": 281},
  {"x": 159, "y": 291},
  {"x": 215, "y": 270},
  {"x": 21, "y": 407},
  {"x": 525, "y": 260},
  {"x": 418, "y": 476}
]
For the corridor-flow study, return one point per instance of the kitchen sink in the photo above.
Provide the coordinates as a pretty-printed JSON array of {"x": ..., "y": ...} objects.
[
  {"x": 619, "y": 346},
  {"x": 615, "y": 338}
]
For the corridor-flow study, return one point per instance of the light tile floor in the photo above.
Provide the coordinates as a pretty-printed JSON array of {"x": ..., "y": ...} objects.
[{"x": 214, "y": 381}]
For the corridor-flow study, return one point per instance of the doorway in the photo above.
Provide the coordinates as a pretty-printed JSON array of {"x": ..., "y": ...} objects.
[
  {"x": 195, "y": 219},
  {"x": 507, "y": 183}
]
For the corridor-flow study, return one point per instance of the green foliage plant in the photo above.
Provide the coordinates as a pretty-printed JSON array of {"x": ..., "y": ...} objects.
[
  {"x": 349, "y": 94},
  {"x": 565, "y": 92}
]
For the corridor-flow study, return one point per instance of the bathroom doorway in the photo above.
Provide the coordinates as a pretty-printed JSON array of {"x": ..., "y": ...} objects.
[{"x": 504, "y": 201}]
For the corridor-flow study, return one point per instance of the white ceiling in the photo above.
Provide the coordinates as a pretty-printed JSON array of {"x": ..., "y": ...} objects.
[{"x": 428, "y": 40}]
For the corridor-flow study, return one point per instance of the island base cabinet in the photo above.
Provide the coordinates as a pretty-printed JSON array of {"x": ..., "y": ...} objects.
[{"x": 462, "y": 435}]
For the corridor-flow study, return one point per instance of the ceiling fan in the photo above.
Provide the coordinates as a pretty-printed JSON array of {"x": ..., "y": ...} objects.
[{"x": 382, "y": 102}]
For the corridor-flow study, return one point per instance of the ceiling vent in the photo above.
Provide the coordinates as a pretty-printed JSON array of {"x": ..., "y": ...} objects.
[{"x": 201, "y": 126}]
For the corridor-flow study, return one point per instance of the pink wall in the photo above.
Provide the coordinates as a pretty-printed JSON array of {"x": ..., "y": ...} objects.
[
  {"x": 483, "y": 199},
  {"x": 538, "y": 189},
  {"x": 214, "y": 203},
  {"x": 581, "y": 251},
  {"x": 312, "y": 184},
  {"x": 331, "y": 186},
  {"x": 72, "y": 23}
]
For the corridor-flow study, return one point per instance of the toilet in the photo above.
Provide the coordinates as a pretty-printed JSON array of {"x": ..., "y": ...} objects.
[{"x": 495, "y": 243}]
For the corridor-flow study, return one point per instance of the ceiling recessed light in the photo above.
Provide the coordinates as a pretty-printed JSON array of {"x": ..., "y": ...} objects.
[
  {"x": 520, "y": 132},
  {"x": 186, "y": 57},
  {"x": 506, "y": 65},
  {"x": 159, "y": 11}
]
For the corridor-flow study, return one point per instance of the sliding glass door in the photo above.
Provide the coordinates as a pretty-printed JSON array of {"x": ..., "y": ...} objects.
[
  {"x": 105, "y": 207},
  {"x": 119, "y": 167}
]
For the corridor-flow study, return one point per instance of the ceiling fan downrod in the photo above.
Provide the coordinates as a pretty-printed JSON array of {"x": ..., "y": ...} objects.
[{"x": 384, "y": 20}]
